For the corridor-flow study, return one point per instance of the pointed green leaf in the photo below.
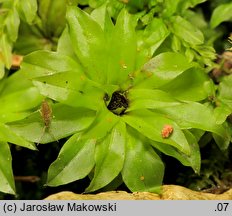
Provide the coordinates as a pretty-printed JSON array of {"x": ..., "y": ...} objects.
[
  {"x": 176, "y": 44},
  {"x": 6, "y": 175},
  {"x": 6, "y": 48},
  {"x": 170, "y": 7},
  {"x": 143, "y": 170},
  {"x": 13, "y": 116},
  {"x": 101, "y": 16},
  {"x": 122, "y": 52},
  {"x": 149, "y": 40},
  {"x": 225, "y": 91},
  {"x": 16, "y": 82},
  {"x": 114, "y": 184},
  {"x": 187, "y": 31},
  {"x": 193, "y": 159},
  {"x": 75, "y": 161},
  {"x": 192, "y": 3},
  {"x": 66, "y": 121},
  {"x": 16, "y": 105},
  {"x": 221, "y": 113},
  {"x": 71, "y": 88},
  {"x": 20, "y": 101},
  {"x": 64, "y": 45},
  {"x": 88, "y": 41},
  {"x": 12, "y": 24},
  {"x": 27, "y": 10},
  {"x": 220, "y": 14},
  {"x": 8, "y": 135},
  {"x": 163, "y": 68},
  {"x": 195, "y": 155},
  {"x": 150, "y": 99},
  {"x": 109, "y": 157},
  {"x": 223, "y": 141},
  {"x": 195, "y": 115},
  {"x": 52, "y": 14},
  {"x": 151, "y": 124},
  {"x": 189, "y": 86},
  {"x": 102, "y": 124},
  {"x": 197, "y": 133},
  {"x": 190, "y": 53},
  {"x": 42, "y": 63}
]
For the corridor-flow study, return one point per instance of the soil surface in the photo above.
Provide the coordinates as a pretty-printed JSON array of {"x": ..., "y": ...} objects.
[{"x": 169, "y": 192}]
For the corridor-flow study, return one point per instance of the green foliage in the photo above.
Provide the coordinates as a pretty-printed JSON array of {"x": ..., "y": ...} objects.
[
  {"x": 7, "y": 182},
  {"x": 224, "y": 95},
  {"x": 215, "y": 171},
  {"x": 220, "y": 14},
  {"x": 114, "y": 83},
  {"x": 44, "y": 32},
  {"x": 142, "y": 163},
  {"x": 88, "y": 76},
  {"x": 175, "y": 20},
  {"x": 10, "y": 14},
  {"x": 17, "y": 97},
  {"x": 72, "y": 160}
]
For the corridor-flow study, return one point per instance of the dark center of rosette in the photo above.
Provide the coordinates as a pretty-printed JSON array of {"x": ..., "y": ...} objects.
[{"x": 118, "y": 103}]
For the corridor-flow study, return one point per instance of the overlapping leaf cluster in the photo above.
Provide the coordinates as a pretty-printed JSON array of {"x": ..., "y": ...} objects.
[
  {"x": 29, "y": 25},
  {"x": 96, "y": 58},
  {"x": 154, "y": 69},
  {"x": 10, "y": 13},
  {"x": 185, "y": 29},
  {"x": 21, "y": 31}
]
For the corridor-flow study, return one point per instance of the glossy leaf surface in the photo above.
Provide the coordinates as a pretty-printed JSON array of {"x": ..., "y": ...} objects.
[
  {"x": 7, "y": 135},
  {"x": 187, "y": 31},
  {"x": 193, "y": 159},
  {"x": 88, "y": 42},
  {"x": 220, "y": 14},
  {"x": 66, "y": 121},
  {"x": 71, "y": 88},
  {"x": 143, "y": 169},
  {"x": 6, "y": 175},
  {"x": 195, "y": 115},
  {"x": 72, "y": 163},
  {"x": 149, "y": 40},
  {"x": 27, "y": 10},
  {"x": 122, "y": 53},
  {"x": 163, "y": 68},
  {"x": 43, "y": 63},
  {"x": 188, "y": 86},
  {"x": 109, "y": 157},
  {"x": 150, "y": 124}
]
